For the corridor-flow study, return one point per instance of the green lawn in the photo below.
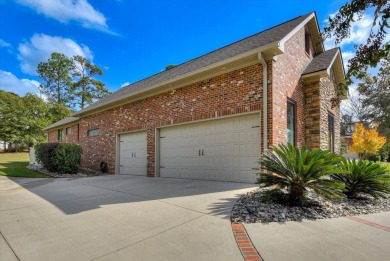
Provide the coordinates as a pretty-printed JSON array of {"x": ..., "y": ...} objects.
[{"x": 15, "y": 165}]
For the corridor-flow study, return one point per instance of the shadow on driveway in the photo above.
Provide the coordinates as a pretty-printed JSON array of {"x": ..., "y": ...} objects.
[{"x": 77, "y": 195}]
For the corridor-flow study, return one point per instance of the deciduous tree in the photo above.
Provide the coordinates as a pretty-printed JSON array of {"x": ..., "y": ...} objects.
[
  {"x": 366, "y": 141},
  {"x": 375, "y": 98},
  {"x": 22, "y": 119},
  {"x": 375, "y": 48}
]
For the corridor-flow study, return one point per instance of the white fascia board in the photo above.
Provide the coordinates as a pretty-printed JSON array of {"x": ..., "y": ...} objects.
[
  {"x": 331, "y": 63},
  {"x": 296, "y": 29}
]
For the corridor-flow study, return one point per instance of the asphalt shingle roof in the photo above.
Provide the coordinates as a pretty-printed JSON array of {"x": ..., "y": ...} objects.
[
  {"x": 321, "y": 61},
  {"x": 263, "y": 38},
  {"x": 62, "y": 122}
]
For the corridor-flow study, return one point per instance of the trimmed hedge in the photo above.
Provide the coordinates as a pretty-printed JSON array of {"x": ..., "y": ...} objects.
[
  {"x": 67, "y": 157},
  {"x": 44, "y": 153},
  {"x": 59, "y": 157}
]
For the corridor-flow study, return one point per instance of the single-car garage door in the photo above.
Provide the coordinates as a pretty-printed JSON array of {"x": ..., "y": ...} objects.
[
  {"x": 132, "y": 153},
  {"x": 224, "y": 149}
]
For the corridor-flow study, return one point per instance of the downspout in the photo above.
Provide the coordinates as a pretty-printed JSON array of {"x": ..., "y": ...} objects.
[{"x": 265, "y": 100}]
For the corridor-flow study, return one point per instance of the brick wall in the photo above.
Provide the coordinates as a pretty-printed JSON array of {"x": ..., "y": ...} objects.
[
  {"x": 287, "y": 84},
  {"x": 70, "y": 138},
  {"x": 235, "y": 92}
]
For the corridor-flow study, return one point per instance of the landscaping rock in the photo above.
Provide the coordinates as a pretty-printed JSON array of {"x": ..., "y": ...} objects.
[{"x": 250, "y": 209}]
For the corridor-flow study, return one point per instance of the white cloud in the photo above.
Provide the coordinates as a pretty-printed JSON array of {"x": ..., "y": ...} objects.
[
  {"x": 11, "y": 83},
  {"x": 69, "y": 10},
  {"x": 360, "y": 31},
  {"x": 124, "y": 84},
  {"x": 346, "y": 57},
  {"x": 40, "y": 47},
  {"x": 4, "y": 43}
]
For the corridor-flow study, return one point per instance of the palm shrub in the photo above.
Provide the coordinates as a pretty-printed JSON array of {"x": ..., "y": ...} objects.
[
  {"x": 294, "y": 170},
  {"x": 364, "y": 177}
]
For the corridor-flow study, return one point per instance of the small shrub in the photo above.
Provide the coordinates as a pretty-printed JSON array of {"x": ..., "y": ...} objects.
[
  {"x": 364, "y": 177},
  {"x": 274, "y": 195},
  {"x": 67, "y": 158},
  {"x": 20, "y": 148},
  {"x": 11, "y": 149},
  {"x": 374, "y": 157},
  {"x": 44, "y": 153}
]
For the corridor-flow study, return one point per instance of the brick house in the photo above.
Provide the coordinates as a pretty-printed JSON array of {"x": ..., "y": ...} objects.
[{"x": 207, "y": 119}]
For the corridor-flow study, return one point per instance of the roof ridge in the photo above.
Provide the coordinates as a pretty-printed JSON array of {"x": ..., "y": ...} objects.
[{"x": 217, "y": 49}]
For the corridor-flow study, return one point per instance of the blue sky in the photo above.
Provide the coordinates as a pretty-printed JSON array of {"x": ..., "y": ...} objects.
[{"x": 131, "y": 40}]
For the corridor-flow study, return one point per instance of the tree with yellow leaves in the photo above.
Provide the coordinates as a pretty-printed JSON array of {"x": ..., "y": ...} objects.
[{"x": 366, "y": 141}]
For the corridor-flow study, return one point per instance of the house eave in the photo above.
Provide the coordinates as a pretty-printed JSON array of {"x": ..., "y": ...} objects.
[{"x": 48, "y": 129}]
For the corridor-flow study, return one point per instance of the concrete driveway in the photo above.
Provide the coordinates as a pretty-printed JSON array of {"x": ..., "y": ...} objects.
[{"x": 117, "y": 218}]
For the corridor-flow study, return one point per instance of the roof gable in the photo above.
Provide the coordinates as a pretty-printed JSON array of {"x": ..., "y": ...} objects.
[
  {"x": 273, "y": 36},
  {"x": 323, "y": 63}
]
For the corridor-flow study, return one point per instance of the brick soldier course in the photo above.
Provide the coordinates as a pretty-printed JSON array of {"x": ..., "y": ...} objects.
[{"x": 298, "y": 70}]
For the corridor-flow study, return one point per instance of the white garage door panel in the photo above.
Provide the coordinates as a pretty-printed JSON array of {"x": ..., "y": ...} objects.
[
  {"x": 225, "y": 149},
  {"x": 132, "y": 153}
]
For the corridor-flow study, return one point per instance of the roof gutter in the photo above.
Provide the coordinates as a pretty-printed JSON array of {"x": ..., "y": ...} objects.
[{"x": 265, "y": 101}]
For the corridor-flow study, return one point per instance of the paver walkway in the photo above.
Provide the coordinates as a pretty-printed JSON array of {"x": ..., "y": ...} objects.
[{"x": 365, "y": 237}]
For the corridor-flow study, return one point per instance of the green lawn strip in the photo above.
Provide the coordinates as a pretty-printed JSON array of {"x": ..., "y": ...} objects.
[{"x": 15, "y": 165}]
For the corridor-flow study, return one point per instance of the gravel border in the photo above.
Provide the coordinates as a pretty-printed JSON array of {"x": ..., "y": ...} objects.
[
  {"x": 83, "y": 172},
  {"x": 250, "y": 209}
]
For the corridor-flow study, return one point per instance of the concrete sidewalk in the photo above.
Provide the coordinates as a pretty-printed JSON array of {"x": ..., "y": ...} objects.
[
  {"x": 338, "y": 239},
  {"x": 117, "y": 218}
]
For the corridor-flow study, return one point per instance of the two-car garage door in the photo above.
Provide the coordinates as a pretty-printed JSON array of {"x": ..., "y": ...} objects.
[{"x": 223, "y": 149}]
